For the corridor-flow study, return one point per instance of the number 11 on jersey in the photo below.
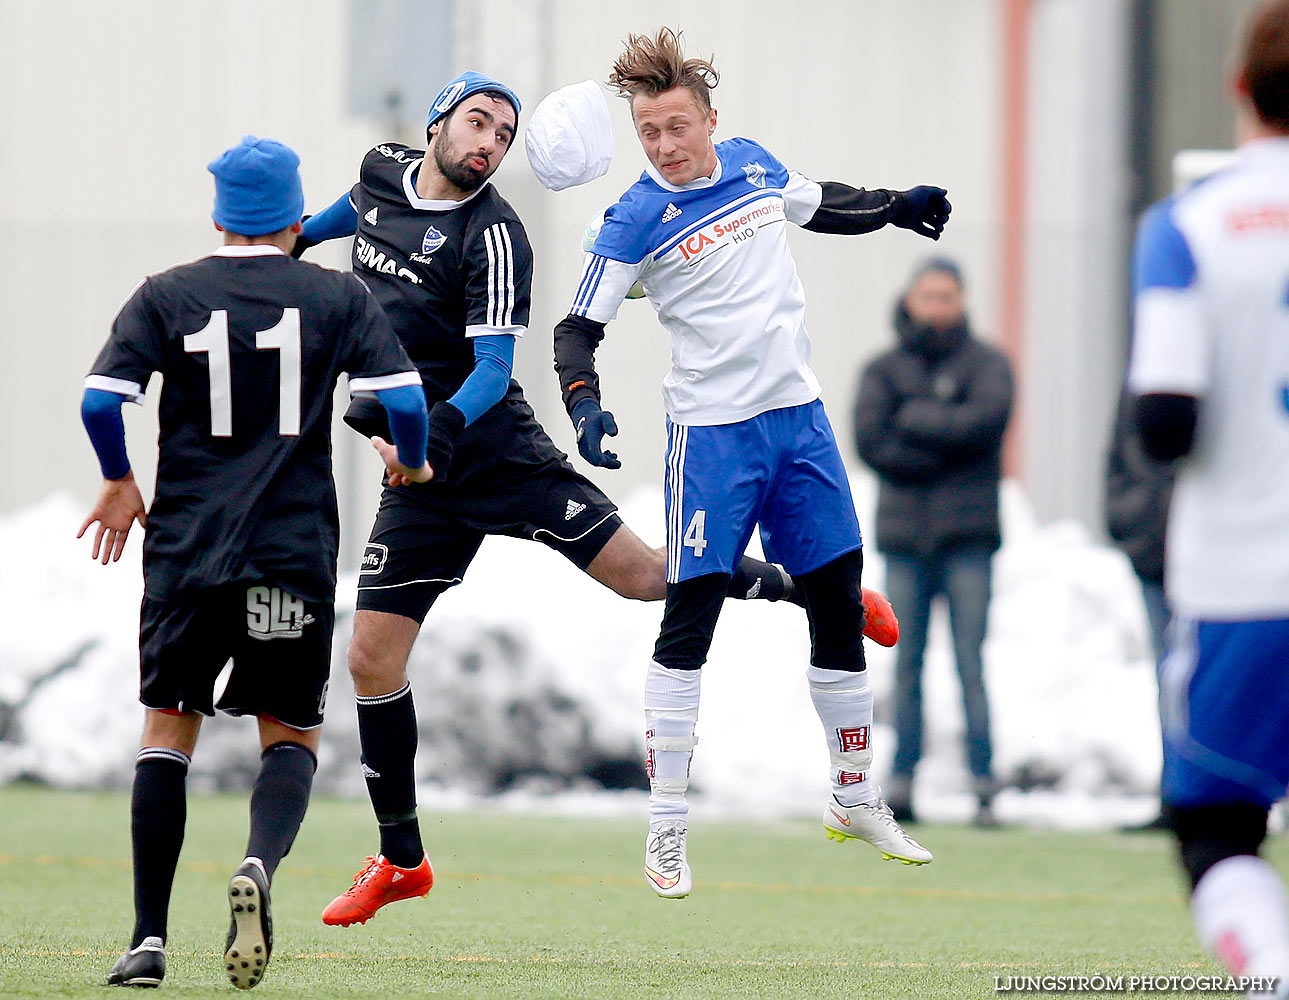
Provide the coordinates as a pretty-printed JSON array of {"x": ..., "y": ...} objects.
[{"x": 283, "y": 337}]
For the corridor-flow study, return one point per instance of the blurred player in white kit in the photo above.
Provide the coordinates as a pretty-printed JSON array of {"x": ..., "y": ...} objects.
[{"x": 1210, "y": 368}]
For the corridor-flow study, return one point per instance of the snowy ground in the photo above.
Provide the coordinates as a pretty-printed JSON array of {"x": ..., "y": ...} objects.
[{"x": 530, "y": 673}]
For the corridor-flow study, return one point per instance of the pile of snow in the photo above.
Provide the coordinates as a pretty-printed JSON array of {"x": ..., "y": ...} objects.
[{"x": 529, "y": 677}]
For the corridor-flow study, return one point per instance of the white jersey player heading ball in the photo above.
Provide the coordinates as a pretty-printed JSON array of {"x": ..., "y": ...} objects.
[{"x": 704, "y": 231}]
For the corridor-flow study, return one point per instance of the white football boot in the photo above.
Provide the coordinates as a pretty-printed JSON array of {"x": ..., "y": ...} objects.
[
  {"x": 666, "y": 869},
  {"x": 874, "y": 823}
]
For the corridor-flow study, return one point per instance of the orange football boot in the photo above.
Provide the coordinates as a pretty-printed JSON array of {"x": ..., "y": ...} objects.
[
  {"x": 377, "y": 884},
  {"x": 880, "y": 623}
]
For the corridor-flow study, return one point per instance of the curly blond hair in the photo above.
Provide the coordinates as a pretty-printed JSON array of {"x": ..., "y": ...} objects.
[{"x": 652, "y": 65}]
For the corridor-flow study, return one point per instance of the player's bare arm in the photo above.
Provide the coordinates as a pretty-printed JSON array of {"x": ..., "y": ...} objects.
[
  {"x": 399, "y": 474},
  {"x": 119, "y": 505},
  {"x": 119, "y": 502}
]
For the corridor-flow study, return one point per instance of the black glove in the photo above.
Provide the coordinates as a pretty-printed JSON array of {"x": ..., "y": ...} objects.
[
  {"x": 592, "y": 424},
  {"x": 922, "y": 209},
  {"x": 446, "y": 424},
  {"x": 301, "y": 244}
]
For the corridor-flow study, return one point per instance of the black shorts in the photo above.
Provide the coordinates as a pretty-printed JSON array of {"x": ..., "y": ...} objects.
[
  {"x": 424, "y": 538},
  {"x": 279, "y": 644}
]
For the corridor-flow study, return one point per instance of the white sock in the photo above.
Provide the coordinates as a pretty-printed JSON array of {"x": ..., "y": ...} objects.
[
  {"x": 671, "y": 713},
  {"x": 1240, "y": 914},
  {"x": 844, "y": 702}
]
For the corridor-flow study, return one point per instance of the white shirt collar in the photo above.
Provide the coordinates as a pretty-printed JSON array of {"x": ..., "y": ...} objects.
[
  {"x": 696, "y": 184},
  {"x": 1276, "y": 145},
  {"x": 431, "y": 204},
  {"x": 249, "y": 250}
]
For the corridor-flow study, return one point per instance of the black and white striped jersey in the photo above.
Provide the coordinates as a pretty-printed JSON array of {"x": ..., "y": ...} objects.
[{"x": 443, "y": 271}]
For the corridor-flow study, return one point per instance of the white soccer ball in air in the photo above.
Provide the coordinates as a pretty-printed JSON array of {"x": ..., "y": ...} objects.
[{"x": 589, "y": 235}]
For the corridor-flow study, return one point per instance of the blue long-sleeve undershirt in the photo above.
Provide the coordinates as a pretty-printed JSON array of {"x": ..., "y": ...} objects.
[
  {"x": 408, "y": 422},
  {"x": 336, "y": 220},
  {"x": 494, "y": 359},
  {"x": 101, "y": 415}
]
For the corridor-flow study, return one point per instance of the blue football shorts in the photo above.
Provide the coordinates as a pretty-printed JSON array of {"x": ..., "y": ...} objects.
[
  {"x": 781, "y": 470},
  {"x": 1224, "y": 702}
]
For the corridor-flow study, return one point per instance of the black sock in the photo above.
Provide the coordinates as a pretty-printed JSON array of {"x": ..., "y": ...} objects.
[
  {"x": 387, "y": 733},
  {"x": 278, "y": 801},
  {"x": 158, "y": 808},
  {"x": 754, "y": 580}
]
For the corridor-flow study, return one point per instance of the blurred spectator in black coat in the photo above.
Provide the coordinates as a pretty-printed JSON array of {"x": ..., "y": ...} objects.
[{"x": 929, "y": 419}]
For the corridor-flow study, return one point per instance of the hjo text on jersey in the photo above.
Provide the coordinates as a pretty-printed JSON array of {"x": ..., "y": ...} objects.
[{"x": 732, "y": 229}]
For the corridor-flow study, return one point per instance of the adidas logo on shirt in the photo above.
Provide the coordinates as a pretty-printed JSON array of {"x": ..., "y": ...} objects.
[
  {"x": 672, "y": 212},
  {"x": 573, "y": 509},
  {"x": 370, "y": 217}
]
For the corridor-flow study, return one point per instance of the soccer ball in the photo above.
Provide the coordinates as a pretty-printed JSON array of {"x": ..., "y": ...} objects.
[{"x": 589, "y": 235}]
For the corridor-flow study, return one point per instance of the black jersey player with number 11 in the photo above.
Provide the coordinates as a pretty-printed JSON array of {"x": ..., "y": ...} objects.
[{"x": 241, "y": 539}]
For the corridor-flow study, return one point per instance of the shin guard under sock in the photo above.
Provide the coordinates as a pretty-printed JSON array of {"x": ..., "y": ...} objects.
[
  {"x": 671, "y": 713},
  {"x": 844, "y": 703}
]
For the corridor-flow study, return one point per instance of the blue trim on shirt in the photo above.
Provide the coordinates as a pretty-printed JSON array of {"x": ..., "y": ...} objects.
[
  {"x": 338, "y": 219},
  {"x": 409, "y": 422},
  {"x": 1161, "y": 257},
  {"x": 633, "y": 226},
  {"x": 101, "y": 415},
  {"x": 484, "y": 388},
  {"x": 590, "y": 282},
  {"x": 729, "y": 207}
]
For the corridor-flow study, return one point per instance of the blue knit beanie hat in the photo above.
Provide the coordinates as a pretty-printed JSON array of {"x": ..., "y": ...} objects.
[
  {"x": 461, "y": 87},
  {"x": 257, "y": 187}
]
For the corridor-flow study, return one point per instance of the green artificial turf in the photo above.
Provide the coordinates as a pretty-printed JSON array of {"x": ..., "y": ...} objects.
[{"x": 556, "y": 907}]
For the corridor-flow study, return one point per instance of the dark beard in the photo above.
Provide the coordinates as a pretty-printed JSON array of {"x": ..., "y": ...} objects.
[{"x": 459, "y": 173}]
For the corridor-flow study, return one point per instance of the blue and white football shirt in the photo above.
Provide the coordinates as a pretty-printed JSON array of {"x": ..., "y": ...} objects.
[
  {"x": 714, "y": 261},
  {"x": 1212, "y": 321}
]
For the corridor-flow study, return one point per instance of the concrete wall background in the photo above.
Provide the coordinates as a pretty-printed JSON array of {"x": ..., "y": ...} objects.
[{"x": 1077, "y": 238}]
